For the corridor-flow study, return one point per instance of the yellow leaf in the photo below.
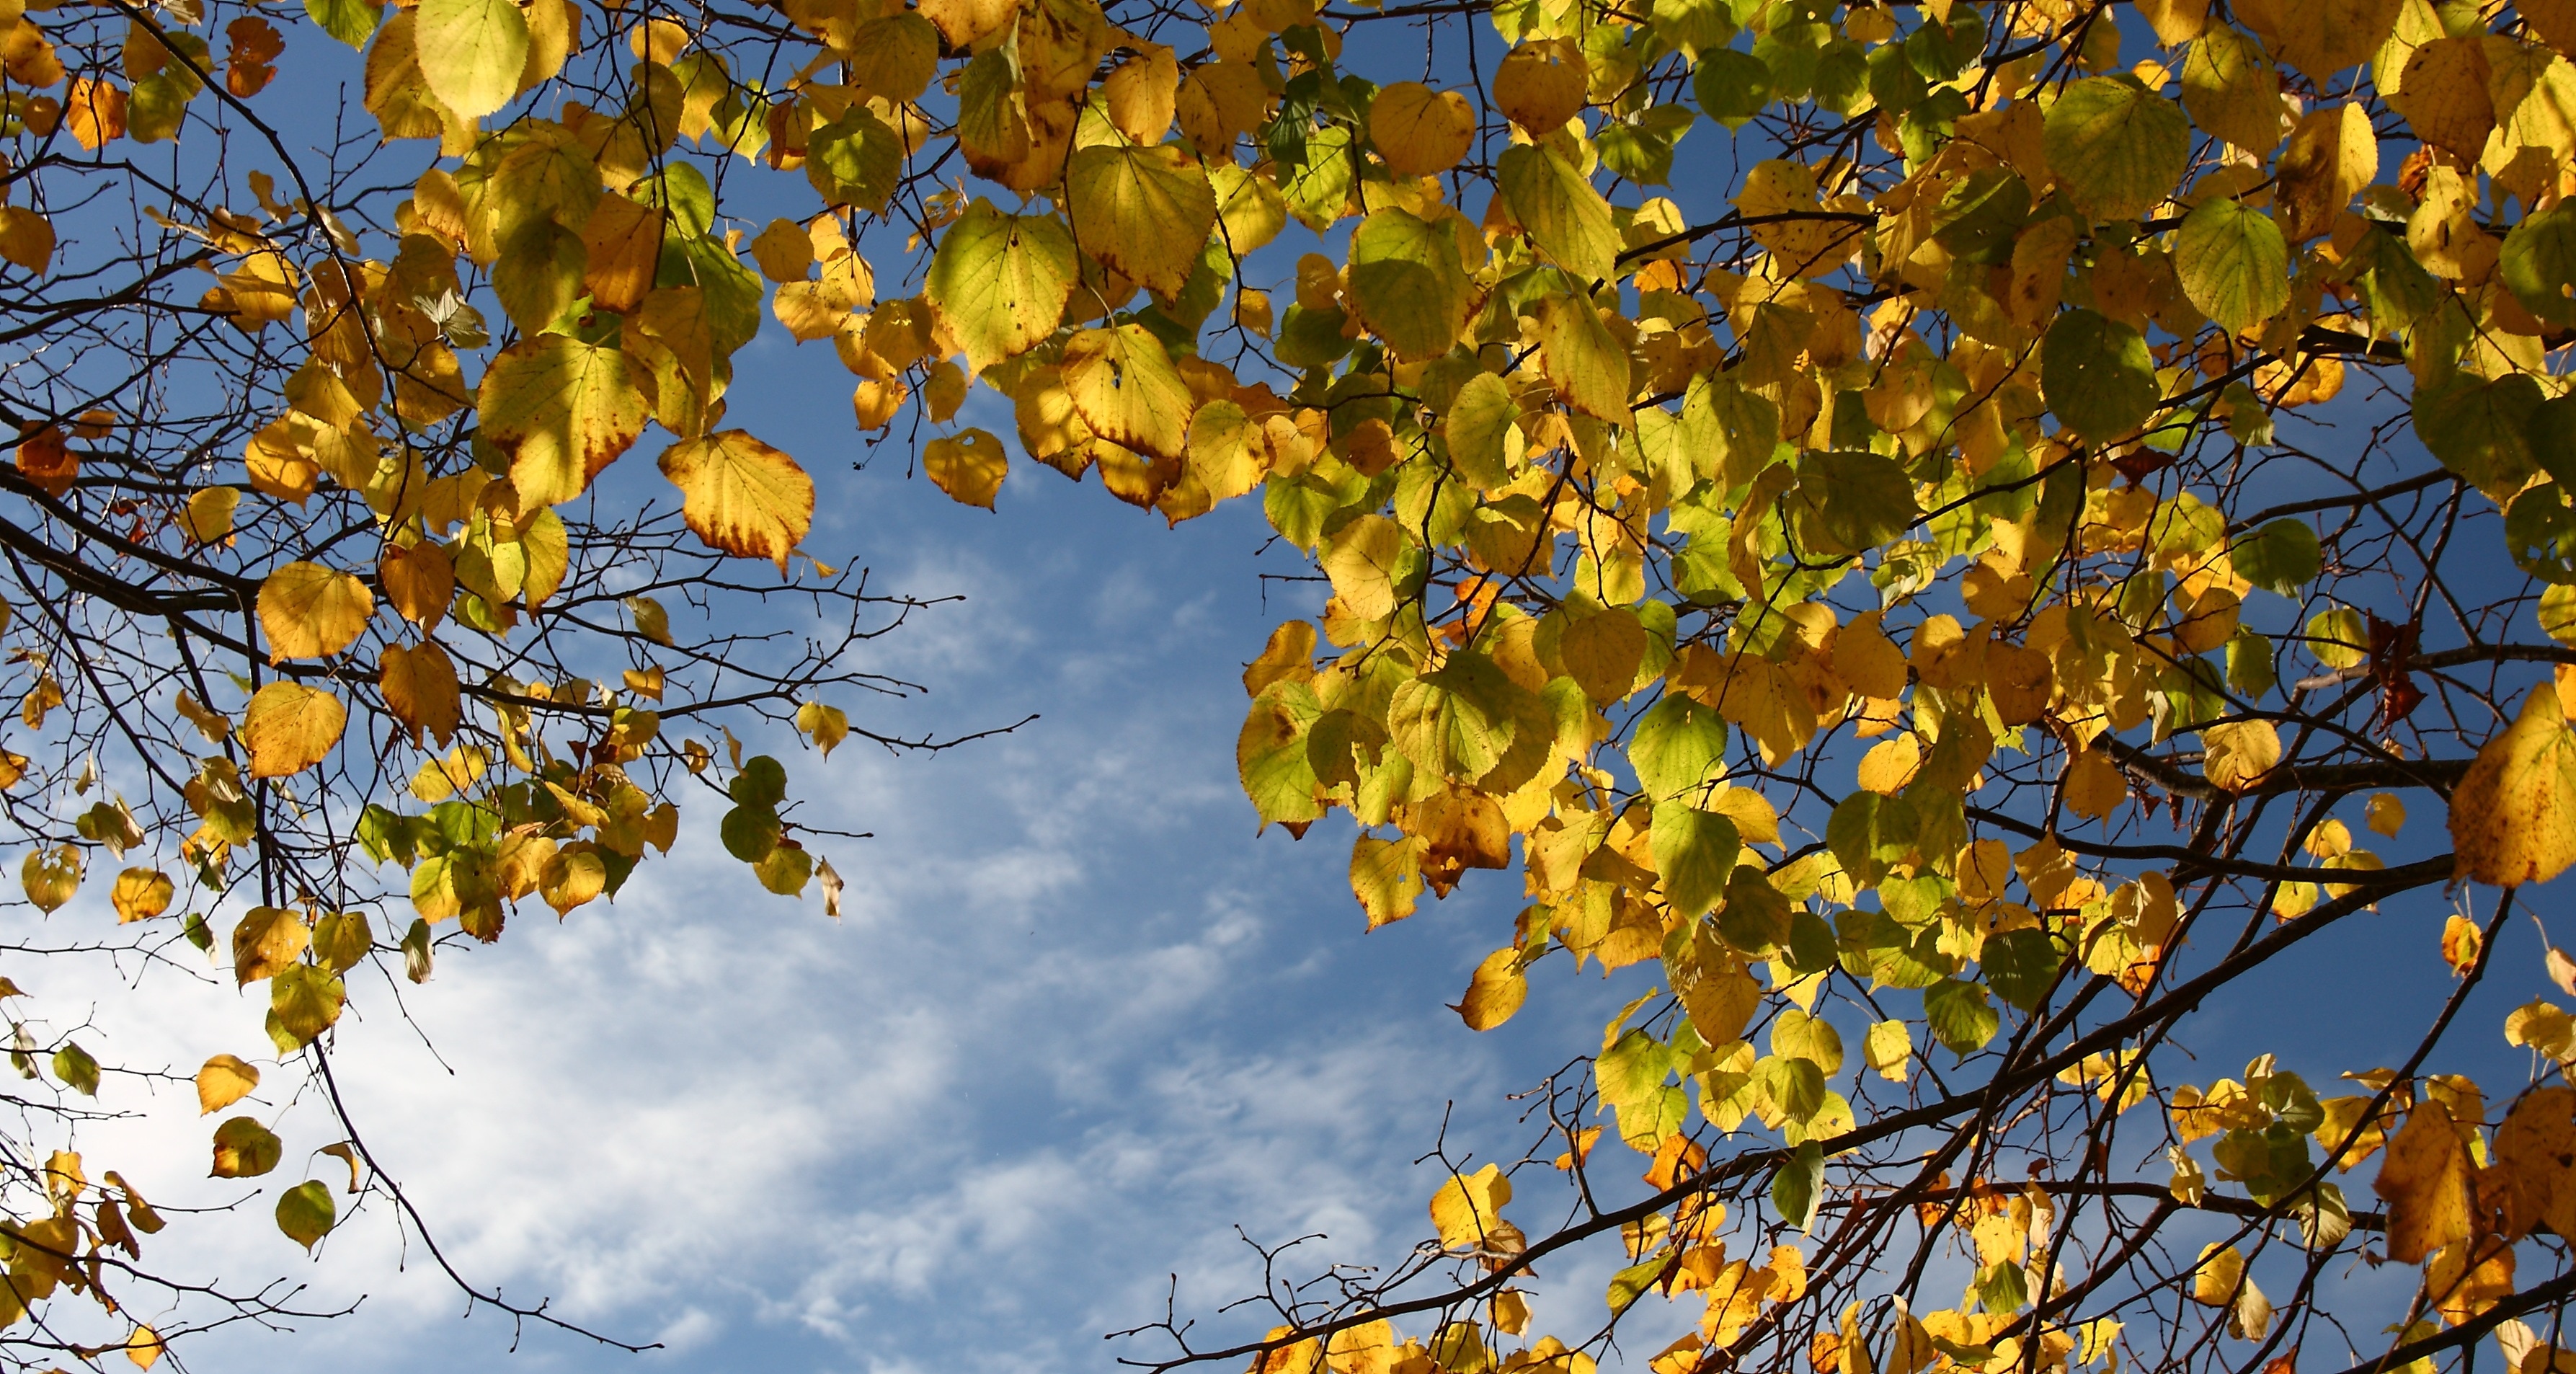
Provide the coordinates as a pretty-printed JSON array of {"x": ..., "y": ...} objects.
[
  {"x": 783, "y": 251},
  {"x": 742, "y": 496},
  {"x": 244, "y": 1149},
  {"x": 1889, "y": 1049},
  {"x": 563, "y": 410},
  {"x": 141, "y": 894},
  {"x": 2218, "y": 1275},
  {"x": 2513, "y": 815},
  {"x": 2322, "y": 37},
  {"x": 2444, "y": 96},
  {"x": 1420, "y": 131},
  {"x": 95, "y": 112},
  {"x": 1468, "y": 1209},
  {"x": 621, "y": 247},
  {"x": 2385, "y": 813},
  {"x": 144, "y": 1347},
  {"x": 51, "y": 877},
  {"x": 1140, "y": 93},
  {"x": 310, "y": 611},
  {"x": 2094, "y": 785},
  {"x": 1583, "y": 359},
  {"x": 1867, "y": 659},
  {"x": 827, "y": 726},
  {"x": 208, "y": 516},
  {"x": 1890, "y": 764},
  {"x": 1494, "y": 992},
  {"x": 2425, "y": 1181},
  {"x": 1144, "y": 213},
  {"x": 968, "y": 466},
  {"x": 471, "y": 52},
  {"x": 419, "y": 581},
  {"x": 2460, "y": 943},
  {"x": 1124, "y": 386},
  {"x": 1541, "y": 85},
  {"x": 26, "y": 238},
  {"x": 224, "y": 1081},
  {"x": 1386, "y": 875},
  {"x": 420, "y": 688},
  {"x": 267, "y": 940},
  {"x": 2237, "y": 755},
  {"x": 291, "y": 727},
  {"x": 574, "y": 876},
  {"x": 2535, "y": 1146}
]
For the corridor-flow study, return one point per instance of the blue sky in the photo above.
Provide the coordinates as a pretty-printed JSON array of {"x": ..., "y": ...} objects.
[{"x": 1077, "y": 1022}]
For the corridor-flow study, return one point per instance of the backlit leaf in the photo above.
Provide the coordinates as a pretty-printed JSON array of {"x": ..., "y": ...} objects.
[
  {"x": 290, "y": 727},
  {"x": 471, "y": 52},
  {"x": 308, "y": 610},
  {"x": 1002, "y": 281},
  {"x": 2513, "y": 814},
  {"x": 742, "y": 496},
  {"x": 2117, "y": 147}
]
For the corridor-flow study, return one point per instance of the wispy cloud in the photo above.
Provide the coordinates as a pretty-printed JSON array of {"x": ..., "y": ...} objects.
[{"x": 1077, "y": 1023}]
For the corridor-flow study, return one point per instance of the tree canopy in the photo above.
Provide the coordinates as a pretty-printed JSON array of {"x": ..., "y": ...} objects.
[{"x": 1940, "y": 540}]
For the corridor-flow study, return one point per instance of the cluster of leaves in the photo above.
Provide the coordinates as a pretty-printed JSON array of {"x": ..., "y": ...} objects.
[{"x": 1929, "y": 420}]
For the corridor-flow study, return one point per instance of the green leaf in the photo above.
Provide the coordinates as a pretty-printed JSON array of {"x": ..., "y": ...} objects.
[
  {"x": 1408, "y": 284},
  {"x": 2540, "y": 533},
  {"x": 1679, "y": 746},
  {"x": 2281, "y": 557},
  {"x": 1270, "y": 754},
  {"x": 1319, "y": 192},
  {"x": 539, "y": 275},
  {"x": 1143, "y": 212},
  {"x": 1478, "y": 428},
  {"x": 2231, "y": 91},
  {"x": 1583, "y": 359},
  {"x": 2117, "y": 147},
  {"x": 1458, "y": 722},
  {"x": 1732, "y": 86},
  {"x": 1633, "y": 1069},
  {"x": 1695, "y": 853},
  {"x": 305, "y": 1212},
  {"x": 1795, "y": 1087},
  {"x": 78, "y": 1071},
  {"x": 1635, "y": 1282},
  {"x": 306, "y": 1000},
  {"x": 2538, "y": 263},
  {"x": 750, "y": 833},
  {"x": 1565, "y": 218},
  {"x": 1868, "y": 833},
  {"x": 2552, "y": 432},
  {"x": 2481, "y": 429},
  {"x": 350, "y": 21},
  {"x": 1756, "y": 920},
  {"x": 2020, "y": 965},
  {"x": 855, "y": 160},
  {"x": 1962, "y": 1019},
  {"x": 471, "y": 52},
  {"x": 1795, "y": 1189},
  {"x": 2099, "y": 377},
  {"x": 762, "y": 782},
  {"x": 2234, "y": 264},
  {"x": 1002, "y": 281},
  {"x": 1861, "y": 499}
]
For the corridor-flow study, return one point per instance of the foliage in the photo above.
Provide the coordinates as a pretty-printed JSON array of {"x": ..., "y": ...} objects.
[{"x": 1928, "y": 422}]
